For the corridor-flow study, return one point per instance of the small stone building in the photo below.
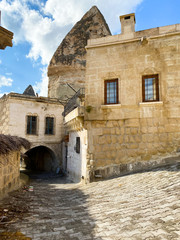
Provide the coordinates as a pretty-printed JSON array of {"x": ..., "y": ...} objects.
[
  {"x": 40, "y": 121},
  {"x": 131, "y": 115}
]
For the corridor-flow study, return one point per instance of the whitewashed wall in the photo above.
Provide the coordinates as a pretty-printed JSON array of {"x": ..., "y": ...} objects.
[{"x": 76, "y": 162}]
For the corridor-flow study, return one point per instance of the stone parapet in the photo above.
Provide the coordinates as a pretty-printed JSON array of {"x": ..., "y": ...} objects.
[{"x": 136, "y": 36}]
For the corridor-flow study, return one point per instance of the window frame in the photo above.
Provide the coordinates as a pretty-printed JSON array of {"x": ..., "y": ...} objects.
[
  {"x": 105, "y": 91},
  {"x": 47, "y": 133},
  {"x": 156, "y": 76},
  {"x": 31, "y": 122}
]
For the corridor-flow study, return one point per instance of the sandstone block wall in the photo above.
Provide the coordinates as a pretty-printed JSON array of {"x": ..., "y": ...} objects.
[
  {"x": 133, "y": 131},
  {"x": 4, "y": 116},
  {"x": 125, "y": 141},
  {"x": 9, "y": 172}
]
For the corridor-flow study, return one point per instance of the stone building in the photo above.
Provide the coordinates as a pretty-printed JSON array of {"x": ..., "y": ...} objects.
[
  {"x": 121, "y": 101},
  {"x": 37, "y": 119},
  {"x": 131, "y": 116}
]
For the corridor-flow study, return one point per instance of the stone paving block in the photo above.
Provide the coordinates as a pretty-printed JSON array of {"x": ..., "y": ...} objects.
[{"x": 138, "y": 206}]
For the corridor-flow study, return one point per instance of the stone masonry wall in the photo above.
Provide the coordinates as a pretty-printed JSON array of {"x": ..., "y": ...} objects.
[
  {"x": 9, "y": 172},
  {"x": 4, "y": 116},
  {"x": 123, "y": 142},
  {"x": 132, "y": 132}
]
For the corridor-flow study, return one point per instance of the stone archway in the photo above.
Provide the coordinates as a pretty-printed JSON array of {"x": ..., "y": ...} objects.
[{"x": 40, "y": 158}]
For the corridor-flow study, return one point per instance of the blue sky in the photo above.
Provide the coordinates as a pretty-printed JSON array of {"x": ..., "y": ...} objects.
[{"x": 40, "y": 26}]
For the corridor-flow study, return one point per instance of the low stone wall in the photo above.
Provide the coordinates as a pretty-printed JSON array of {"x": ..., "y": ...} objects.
[
  {"x": 124, "y": 169},
  {"x": 9, "y": 172}
]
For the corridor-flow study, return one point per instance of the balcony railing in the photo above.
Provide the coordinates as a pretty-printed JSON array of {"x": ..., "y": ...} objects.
[{"x": 74, "y": 102}]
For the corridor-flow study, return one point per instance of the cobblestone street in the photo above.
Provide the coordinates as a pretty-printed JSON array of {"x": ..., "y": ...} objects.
[{"x": 138, "y": 206}]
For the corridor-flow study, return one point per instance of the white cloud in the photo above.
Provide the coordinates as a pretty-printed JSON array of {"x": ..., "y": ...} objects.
[
  {"x": 1, "y": 94},
  {"x": 0, "y": 61},
  {"x": 46, "y": 25},
  {"x": 4, "y": 81},
  {"x": 42, "y": 86}
]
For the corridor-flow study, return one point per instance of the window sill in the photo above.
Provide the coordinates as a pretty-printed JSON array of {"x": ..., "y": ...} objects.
[
  {"x": 30, "y": 134},
  {"x": 150, "y": 103},
  {"x": 112, "y": 106}
]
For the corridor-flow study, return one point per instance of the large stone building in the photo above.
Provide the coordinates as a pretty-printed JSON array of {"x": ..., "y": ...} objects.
[{"x": 132, "y": 102}]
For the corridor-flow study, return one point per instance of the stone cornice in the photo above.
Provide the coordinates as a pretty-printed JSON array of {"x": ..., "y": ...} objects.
[
  {"x": 23, "y": 97},
  {"x": 5, "y": 38}
]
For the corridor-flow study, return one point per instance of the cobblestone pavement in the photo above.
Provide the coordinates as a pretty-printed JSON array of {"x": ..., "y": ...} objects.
[{"x": 138, "y": 206}]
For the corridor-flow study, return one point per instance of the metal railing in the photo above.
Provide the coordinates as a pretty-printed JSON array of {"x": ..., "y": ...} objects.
[{"x": 74, "y": 102}]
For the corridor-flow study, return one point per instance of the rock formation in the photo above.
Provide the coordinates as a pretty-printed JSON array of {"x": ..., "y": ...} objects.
[
  {"x": 29, "y": 91},
  {"x": 68, "y": 63}
]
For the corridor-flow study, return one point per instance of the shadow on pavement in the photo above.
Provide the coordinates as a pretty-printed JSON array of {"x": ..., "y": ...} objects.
[{"x": 55, "y": 209}]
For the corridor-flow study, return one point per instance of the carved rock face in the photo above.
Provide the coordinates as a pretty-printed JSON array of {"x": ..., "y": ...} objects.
[
  {"x": 71, "y": 51},
  {"x": 68, "y": 64}
]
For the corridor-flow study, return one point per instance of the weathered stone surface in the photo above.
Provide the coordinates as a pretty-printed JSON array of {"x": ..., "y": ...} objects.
[
  {"x": 9, "y": 172},
  {"x": 69, "y": 61},
  {"x": 29, "y": 91},
  {"x": 72, "y": 49},
  {"x": 137, "y": 206}
]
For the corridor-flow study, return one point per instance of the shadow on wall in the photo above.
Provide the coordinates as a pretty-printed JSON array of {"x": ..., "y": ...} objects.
[
  {"x": 61, "y": 213},
  {"x": 40, "y": 158}
]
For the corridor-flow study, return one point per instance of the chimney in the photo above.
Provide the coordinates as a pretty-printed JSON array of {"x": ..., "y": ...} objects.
[{"x": 128, "y": 23}]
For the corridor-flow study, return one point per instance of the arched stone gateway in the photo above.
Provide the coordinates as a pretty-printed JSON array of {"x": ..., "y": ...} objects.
[{"x": 40, "y": 158}]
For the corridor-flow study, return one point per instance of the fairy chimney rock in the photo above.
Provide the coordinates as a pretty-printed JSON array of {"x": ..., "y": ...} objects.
[{"x": 69, "y": 60}]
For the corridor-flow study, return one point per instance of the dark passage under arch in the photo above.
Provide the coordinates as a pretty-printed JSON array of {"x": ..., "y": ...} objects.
[{"x": 39, "y": 158}]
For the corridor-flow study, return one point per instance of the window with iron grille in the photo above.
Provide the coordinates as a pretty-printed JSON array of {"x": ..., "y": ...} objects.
[
  {"x": 150, "y": 88},
  {"x": 78, "y": 144},
  {"x": 111, "y": 91},
  {"x": 49, "y": 125},
  {"x": 31, "y": 125}
]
